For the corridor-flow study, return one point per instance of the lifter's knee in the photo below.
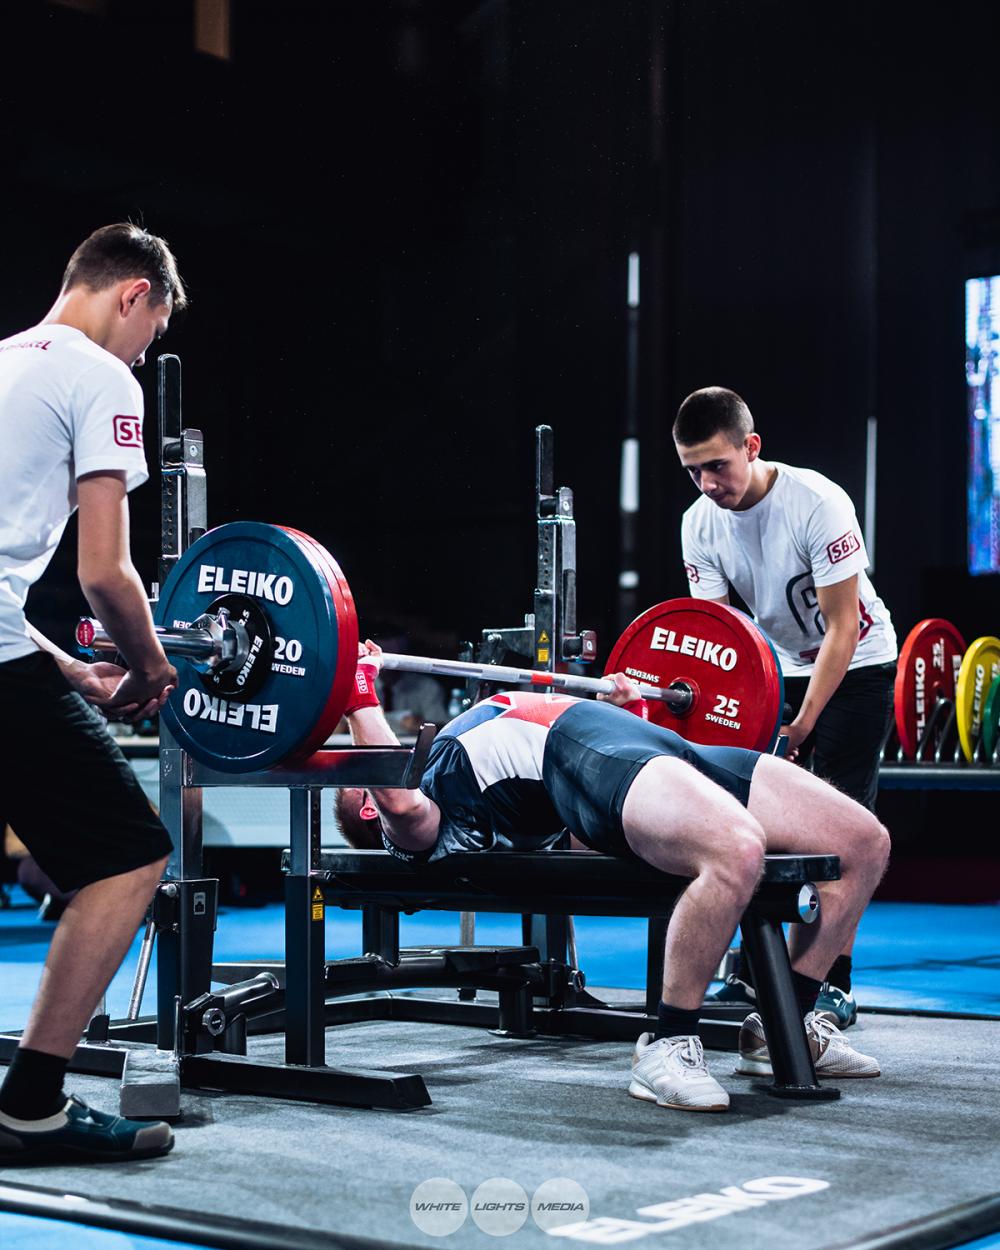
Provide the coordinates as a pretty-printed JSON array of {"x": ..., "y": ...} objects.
[
  {"x": 871, "y": 844},
  {"x": 739, "y": 866},
  {"x": 861, "y": 841}
]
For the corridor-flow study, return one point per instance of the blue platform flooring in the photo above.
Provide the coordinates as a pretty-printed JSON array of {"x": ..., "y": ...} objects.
[
  {"x": 25, "y": 1232},
  {"x": 909, "y": 956},
  {"x": 28, "y": 1232}
]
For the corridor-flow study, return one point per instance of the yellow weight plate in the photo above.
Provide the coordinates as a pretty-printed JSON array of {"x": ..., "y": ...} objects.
[{"x": 980, "y": 668}]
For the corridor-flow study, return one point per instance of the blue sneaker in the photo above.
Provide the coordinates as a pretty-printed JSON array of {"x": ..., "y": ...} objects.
[
  {"x": 839, "y": 1006},
  {"x": 78, "y": 1132},
  {"x": 734, "y": 993}
]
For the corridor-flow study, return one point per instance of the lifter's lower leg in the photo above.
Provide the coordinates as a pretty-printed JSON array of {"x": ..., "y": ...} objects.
[
  {"x": 87, "y": 948},
  {"x": 680, "y": 822},
  {"x": 710, "y": 907}
]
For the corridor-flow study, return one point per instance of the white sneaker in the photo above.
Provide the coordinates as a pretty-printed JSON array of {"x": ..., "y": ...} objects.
[
  {"x": 832, "y": 1054},
  {"x": 671, "y": 1072}
]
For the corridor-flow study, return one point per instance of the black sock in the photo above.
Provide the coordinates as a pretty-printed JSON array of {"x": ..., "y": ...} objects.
[
  {"x": 33, "y": 1088},
  {"x": 806, "y": 991},
  {"x": 675, "y": 1022},
  {"x": 840, "y": 974}
]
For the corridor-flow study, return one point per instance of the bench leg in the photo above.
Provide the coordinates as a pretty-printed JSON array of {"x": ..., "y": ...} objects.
[
  {"x": 515, "y": 1015},
  {"x": 791, "y": 1060},
  {"x": 380, "y": 932}
]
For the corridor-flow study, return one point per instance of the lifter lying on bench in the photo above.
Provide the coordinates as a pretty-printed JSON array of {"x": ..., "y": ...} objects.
[{"x": 516, "y": 770}]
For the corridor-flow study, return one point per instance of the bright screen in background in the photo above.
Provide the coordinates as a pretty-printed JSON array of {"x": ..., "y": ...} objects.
[{"x": 982, "y": 373}]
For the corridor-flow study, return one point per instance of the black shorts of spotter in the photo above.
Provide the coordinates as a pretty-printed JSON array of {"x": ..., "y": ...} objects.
[
  {"x": 67, "y": 790},
  {"x": 593, "y": 753},
  {"x": 845, "y": 748}
]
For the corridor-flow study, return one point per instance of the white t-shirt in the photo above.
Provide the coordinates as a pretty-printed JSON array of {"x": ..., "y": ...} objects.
[
  {"x": 67, "y": 407},
  {"x": 804, "y": 533}
]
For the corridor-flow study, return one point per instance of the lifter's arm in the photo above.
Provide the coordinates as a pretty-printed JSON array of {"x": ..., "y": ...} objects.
[{"x": 410, "y": 818}]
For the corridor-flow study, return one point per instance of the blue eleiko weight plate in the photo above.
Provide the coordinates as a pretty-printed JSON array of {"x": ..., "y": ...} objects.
[
  {"x": 292, "y": 709},
  {"x": 781, "y": 688}
]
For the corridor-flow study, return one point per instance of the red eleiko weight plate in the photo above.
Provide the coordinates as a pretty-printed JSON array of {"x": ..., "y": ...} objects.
[
  {"x": 347, "y": 638},
  {"x": 722, "y": 655},
  {"x": 927, "y": 670}
]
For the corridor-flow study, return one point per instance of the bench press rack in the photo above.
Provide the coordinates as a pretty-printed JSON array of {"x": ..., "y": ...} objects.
[{"x": 203, "y": 1032}]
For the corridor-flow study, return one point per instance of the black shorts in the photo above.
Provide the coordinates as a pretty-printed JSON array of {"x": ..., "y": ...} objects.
[
  {"x": 593, "y": 753},
  {"x": 846, "y": 745},
  {"x": 65, "y": 788}
]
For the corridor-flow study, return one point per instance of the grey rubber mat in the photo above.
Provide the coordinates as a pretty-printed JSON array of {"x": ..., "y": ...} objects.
[{"x": 768, "y": 1174}]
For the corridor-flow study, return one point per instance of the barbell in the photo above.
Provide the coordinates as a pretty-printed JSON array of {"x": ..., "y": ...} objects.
[
  {"x": 266, "y": 620},
  {"x": 217, "y": 643}
]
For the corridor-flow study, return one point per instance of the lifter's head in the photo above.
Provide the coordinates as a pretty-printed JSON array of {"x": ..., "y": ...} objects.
[
  {"x": 717, "y": 444},
  {"x": 120, "y": 287},
  {"x": 362, "y": 831}
]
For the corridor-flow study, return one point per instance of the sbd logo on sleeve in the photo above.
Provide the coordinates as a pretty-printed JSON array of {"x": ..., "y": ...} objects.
[
  {"x": 842, "y": 547},
  {"x": 128, "y": 431}
]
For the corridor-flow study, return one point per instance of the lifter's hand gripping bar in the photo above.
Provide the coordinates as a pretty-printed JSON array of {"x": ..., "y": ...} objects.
[{"x": 217, "y": 644}]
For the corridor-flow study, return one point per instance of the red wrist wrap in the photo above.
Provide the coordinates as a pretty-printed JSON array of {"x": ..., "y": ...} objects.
[
  {"x": 364, "y": 688},
  {"x": 638, "y": 707}
]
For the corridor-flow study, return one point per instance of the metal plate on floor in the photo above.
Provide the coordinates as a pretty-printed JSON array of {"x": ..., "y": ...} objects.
[
  {"x": 722, "y": 656},
  {"x": 927, "y": 671}
]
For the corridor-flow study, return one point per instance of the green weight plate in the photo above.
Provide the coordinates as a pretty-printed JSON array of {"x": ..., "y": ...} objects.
[{"x": 991, "y": 719}]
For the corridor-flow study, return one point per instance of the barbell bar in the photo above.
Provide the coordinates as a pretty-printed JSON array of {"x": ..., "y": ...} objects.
[{"x": 222, "y": 646}]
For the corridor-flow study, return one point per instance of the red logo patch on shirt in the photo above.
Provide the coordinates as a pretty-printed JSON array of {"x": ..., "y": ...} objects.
[
  {"x": 692, "y": 572},
  {"x": 842, "y": 547},
  {"x": 128, "y": 431}
]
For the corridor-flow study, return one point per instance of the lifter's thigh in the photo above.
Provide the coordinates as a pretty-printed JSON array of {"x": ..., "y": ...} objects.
[
  {"x": 678, "y": 820},
  {"x": 803, "y": 815}
]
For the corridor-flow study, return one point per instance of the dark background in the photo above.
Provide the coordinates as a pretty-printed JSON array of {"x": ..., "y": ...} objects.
[
  {"x": 405, "y": 228},
  {"x": 405, "y": 224}
]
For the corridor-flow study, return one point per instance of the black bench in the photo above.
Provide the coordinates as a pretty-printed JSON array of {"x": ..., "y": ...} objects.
[{"x": 539, "y": 990}]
